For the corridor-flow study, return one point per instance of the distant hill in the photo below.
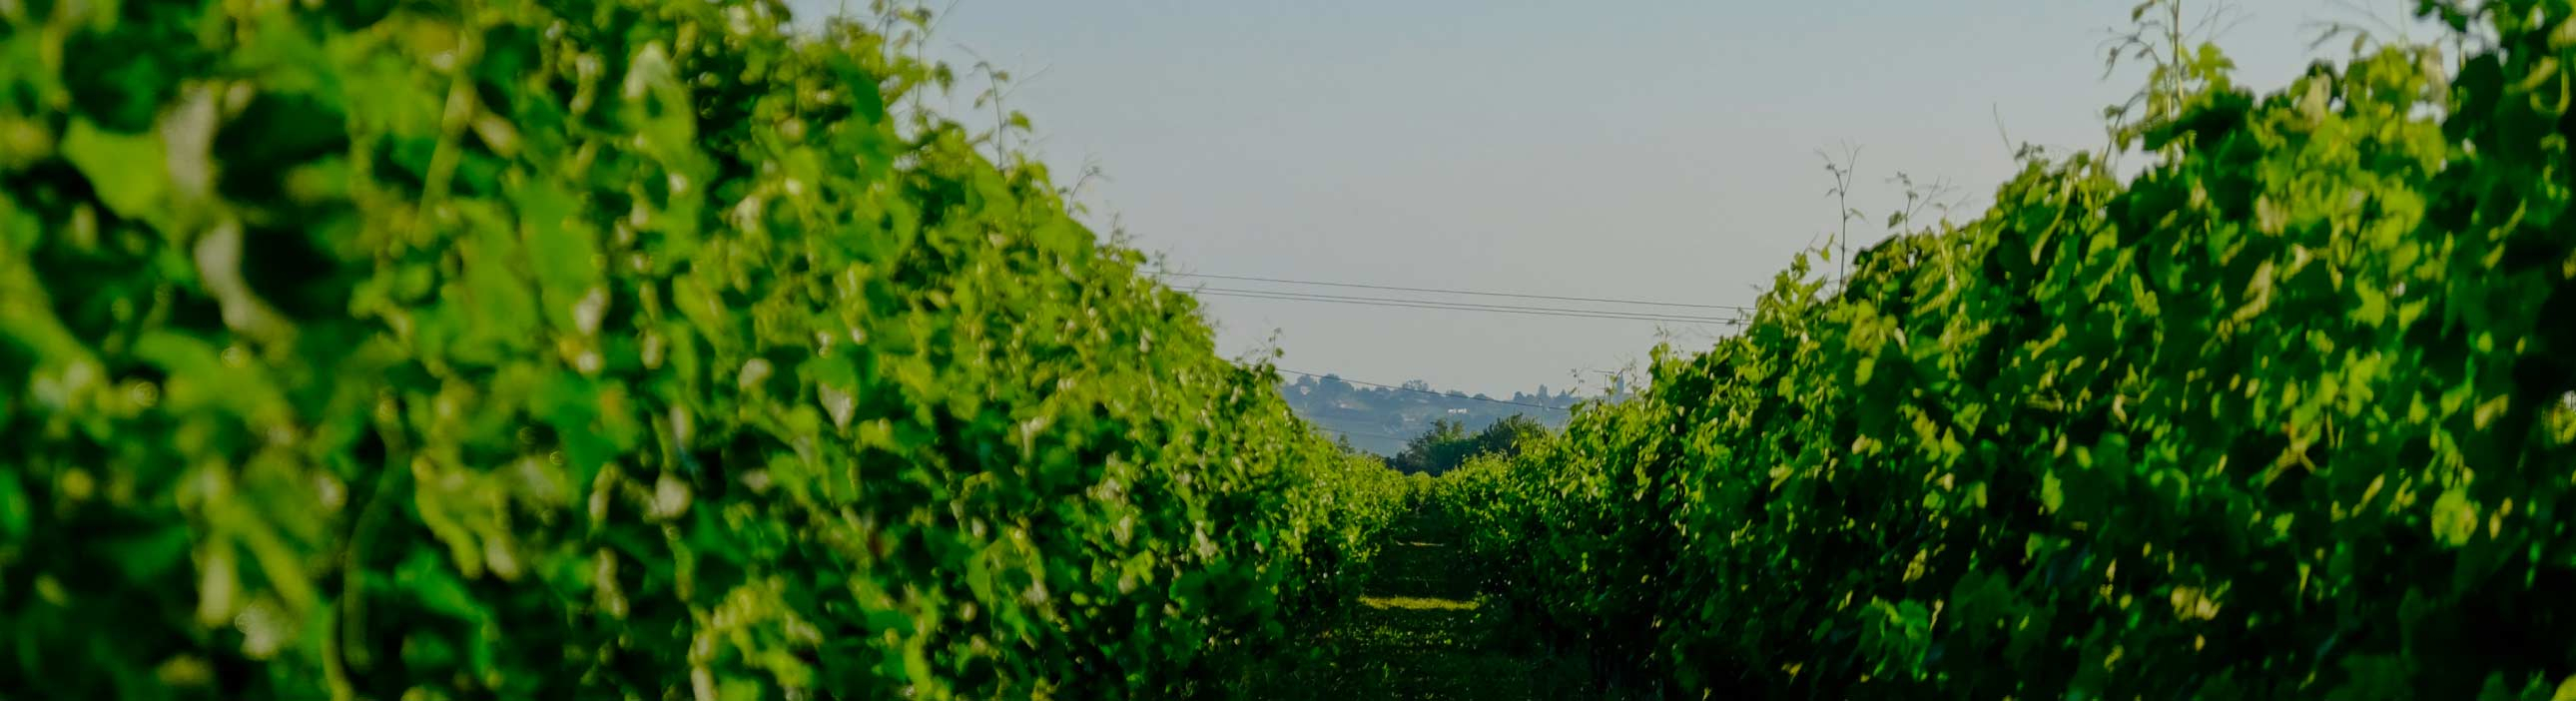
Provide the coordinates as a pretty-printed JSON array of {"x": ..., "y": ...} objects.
[{"x": 1380, "y": 419}]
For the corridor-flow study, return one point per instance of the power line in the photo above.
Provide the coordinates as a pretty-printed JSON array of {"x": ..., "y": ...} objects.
[
  {"x": 1532, "y": 312},
  {"x": 1453, "y": 292},
  {"x": 1471, "y": 305},
  {"x": 1362, "y": 434},
  {"x": 1424, "y": 391}
]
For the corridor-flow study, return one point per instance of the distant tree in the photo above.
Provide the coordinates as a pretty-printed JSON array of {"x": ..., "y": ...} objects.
[
  {"x": 1448, "y": 444},
  {"x": 1425, "y": 451},
  {"x": 1330, "y": 389},
  {"x": 1380, "y": 412}
]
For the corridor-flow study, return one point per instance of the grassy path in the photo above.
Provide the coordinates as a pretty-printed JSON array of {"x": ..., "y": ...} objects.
[{"x": 1423, "y": 631}]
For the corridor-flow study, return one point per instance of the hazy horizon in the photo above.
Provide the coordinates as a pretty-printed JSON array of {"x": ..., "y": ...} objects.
[{"x": 1666, "y": 152}]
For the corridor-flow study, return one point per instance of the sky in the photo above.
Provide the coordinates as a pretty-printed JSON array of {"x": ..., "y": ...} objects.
[{"x": 1661, "y": 150}]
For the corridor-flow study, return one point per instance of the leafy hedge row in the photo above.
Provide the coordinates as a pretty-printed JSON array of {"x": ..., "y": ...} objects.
[
  {"x": 2288, "y": 415},
  {"x": 614, "y": 349}
]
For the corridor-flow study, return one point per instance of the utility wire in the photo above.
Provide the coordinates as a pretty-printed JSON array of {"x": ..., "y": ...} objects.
[
  {"x": 1533, "y": 312},
  {"x": 1167, "y": 273},
  {"x": 1424, "y": 391},
  {"x": 1361, "y": 434},
  {"x": 1470, "y": 305}
]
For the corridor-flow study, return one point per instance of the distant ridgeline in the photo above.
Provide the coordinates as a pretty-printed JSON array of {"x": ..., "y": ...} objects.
[{"x": 1381, "y": 419}]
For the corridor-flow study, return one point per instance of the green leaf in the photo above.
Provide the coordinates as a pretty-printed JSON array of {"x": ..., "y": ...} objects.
[
  {"x": 154, "y": 554},
  {"x": 2052, "y": 493},
  {"x": 127, "y": 170},
  {"x": 15, "y": 512},
  {"x": 426, "y": 577},
  {"x": 2455, "y": 519}
]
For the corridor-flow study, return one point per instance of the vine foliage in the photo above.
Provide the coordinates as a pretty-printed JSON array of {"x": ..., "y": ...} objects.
[
  {"x": 2286, "y": 415},
  {"x": 600, "y": 349}
]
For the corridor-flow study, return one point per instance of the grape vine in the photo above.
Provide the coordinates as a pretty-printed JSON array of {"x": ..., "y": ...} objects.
[
  {"x": 601, "y": 349},
  {"x": 2286, "y": 415}
]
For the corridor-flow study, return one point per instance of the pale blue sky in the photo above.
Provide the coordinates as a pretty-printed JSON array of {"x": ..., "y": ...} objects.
[{"x": 1660, "y": 150}]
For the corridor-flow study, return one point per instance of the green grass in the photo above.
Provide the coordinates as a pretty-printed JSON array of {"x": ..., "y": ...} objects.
[{"x": 1425, "y": 630}]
